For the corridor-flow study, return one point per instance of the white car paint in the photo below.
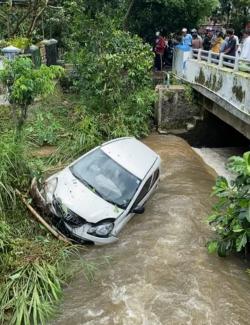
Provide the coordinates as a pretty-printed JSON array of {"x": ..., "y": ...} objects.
[
  {"x": 132, "y": 155},
  {"x": 81, "y": 200}
]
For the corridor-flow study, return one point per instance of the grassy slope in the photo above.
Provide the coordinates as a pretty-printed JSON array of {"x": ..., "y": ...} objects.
[
  {"x": 31, "y": 261},
  {"x": 58, "y": 130}
]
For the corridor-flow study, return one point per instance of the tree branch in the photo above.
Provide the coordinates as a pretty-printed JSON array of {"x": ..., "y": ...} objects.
[
  {"x": 34, "y": 20},
  {"x": 128, "y": 12},
  {"x": 41, "y": 220}
]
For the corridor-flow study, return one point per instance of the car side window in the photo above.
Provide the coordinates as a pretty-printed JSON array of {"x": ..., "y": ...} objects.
[{"x": 143, "y": 192}]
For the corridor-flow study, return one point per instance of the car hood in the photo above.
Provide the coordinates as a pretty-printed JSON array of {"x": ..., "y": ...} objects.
[{"x": 80, "y": 199}]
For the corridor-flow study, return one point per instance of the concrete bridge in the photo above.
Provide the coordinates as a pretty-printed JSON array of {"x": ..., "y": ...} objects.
[{"x": 225, "y": 80}]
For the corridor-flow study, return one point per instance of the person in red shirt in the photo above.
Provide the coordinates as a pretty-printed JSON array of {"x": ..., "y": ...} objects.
[{"x": 159, "y": 50}]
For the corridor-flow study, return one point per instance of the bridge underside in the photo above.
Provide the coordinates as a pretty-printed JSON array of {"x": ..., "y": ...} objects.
[
  {"x": 225, "y": 111},
  {"x": 227, "y": 88}
]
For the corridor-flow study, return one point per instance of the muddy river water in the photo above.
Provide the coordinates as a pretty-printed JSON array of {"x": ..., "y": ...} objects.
[{"x": 160, "y": 272}]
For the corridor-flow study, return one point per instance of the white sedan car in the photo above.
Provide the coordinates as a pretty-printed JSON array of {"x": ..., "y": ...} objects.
[{"x": 94, "y": 197}]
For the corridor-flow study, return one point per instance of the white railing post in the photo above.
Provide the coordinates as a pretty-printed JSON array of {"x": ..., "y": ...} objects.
[
  {"x": 199, "y": 55},
  {"x": 236, "y": 64},
  {"x": 221, "y": 59},
  {"x": 209, "y": 57},
  {"x": 193, "y": 54}
]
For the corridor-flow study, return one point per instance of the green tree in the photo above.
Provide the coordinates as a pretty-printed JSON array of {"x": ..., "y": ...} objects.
[
  {"x": 231, "y": 214},
  {"x": 113, "y": 68},
  {"x": 21, "y": 18},
  {"x": 147, "y": 16},
  {"x": 234, "y": 13},
  {"x": 24, "y": 84}
]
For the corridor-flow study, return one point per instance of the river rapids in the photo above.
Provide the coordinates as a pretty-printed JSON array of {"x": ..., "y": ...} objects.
[{"x": 159, "y": 271}]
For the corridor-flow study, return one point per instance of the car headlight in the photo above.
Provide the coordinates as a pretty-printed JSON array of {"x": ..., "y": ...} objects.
[{"x": 101, "y": 230}]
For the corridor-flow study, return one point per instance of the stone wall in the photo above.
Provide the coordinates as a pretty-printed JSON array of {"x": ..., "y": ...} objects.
[{"x": 175, "y": 110}]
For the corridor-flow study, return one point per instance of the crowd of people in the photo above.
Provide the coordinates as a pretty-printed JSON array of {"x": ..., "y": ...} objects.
[{"x": 212, "y": 40}]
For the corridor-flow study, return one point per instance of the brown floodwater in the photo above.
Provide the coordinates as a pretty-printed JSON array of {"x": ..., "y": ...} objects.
[{"x": 160, "y": 272}]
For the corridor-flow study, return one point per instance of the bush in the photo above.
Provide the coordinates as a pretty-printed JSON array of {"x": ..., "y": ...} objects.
[
  {"x": 25, "y": 83},
  {"x": 14, "y": 171},
  {"x": 114, "y": 74},
  {"x": 20, "y": 42},
  {"x": 31, "y": 279},
  {"x": 231, "y": 215}
]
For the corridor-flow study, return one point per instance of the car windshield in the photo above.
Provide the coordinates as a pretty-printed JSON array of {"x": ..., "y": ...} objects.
[{"x": 106, "y": 178}]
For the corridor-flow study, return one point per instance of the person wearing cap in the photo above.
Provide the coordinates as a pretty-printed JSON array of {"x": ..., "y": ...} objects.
[
  {"x": 194, "y": 31},
  {"x": 208, "y": 39},
  {"x": 186, "y": 38},
  {"x": 196, "y": 39}
]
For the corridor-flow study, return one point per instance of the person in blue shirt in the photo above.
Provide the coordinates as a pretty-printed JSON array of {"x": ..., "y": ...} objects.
[{"x": 186, "y": 38}]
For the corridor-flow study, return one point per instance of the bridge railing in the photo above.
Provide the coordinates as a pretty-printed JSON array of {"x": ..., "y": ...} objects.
[{"x": 220, "y": 59}]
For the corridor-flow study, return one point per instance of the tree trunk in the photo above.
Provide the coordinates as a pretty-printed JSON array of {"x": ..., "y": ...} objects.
[{"x": 128, "y": 13}]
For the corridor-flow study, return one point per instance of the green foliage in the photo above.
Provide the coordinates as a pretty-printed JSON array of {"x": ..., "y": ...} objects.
[
  {"x": 231, "y": 214},
  {"x": 14, "y": 171},
  {"x": 113, "y": 71},
  {"x": 235, "y": 13},
  {"x": 147, "y": 16},
  {"x": 34, "y": 280},
  {"x": 21, "y": 19},
  {"x": 37, "y": 133},
  {"x": 20, "y": 42},
  {"x": 32, "y": 263},
  {"x": 25, "y": 83}
]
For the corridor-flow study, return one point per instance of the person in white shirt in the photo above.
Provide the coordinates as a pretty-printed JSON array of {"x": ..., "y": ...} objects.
[{"x": 245, "y": 52}]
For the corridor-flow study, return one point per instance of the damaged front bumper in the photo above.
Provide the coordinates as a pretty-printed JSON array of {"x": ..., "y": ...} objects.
[{"x": 67, "y": 222}]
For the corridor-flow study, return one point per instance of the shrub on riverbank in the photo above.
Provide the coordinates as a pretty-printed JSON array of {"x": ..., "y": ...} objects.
[{"x": 231, "y": 214}]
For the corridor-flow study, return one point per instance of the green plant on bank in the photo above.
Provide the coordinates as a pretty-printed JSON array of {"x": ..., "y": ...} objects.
[
  {"x": 41, "y": 135},
  {"x": 189, "y": 94},
  {"x": 30, "y": 279},
  {"x": 20, "y": 42},
  {"x": 113, "y": 67},
  {"x": 14, "y": 171},
  {"x": 231, "y": 214},
  {"x": 24, "y": 84}
]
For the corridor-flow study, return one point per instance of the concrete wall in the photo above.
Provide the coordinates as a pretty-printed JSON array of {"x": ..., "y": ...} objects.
[
  {"x": 233, "y": 87},
  {"x": 175, "y": 111},
  {"x": 229, "y": 90}
]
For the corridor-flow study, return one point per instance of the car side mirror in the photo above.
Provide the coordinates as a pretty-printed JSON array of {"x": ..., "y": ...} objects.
[{"x": 138, "y": 210}]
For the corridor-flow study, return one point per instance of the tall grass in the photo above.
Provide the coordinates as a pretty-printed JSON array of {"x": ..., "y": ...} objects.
[
  {"x": 29, "y": 293},
  {"x": 32, "y": 264},
  {"x": 14, "y": 171},
  {"x": 31, "y": 279}
]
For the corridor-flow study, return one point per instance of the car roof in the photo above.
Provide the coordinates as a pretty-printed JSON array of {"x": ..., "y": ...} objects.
[{"x": 131, "y": 154}]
